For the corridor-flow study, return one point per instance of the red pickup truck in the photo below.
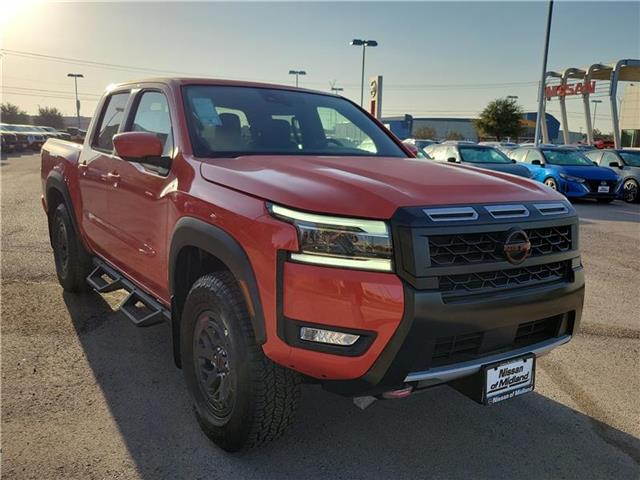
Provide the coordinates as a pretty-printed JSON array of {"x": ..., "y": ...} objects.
[{"x": 288, "y": 237}]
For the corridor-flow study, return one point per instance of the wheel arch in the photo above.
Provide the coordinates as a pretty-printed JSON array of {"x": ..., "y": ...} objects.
[
  {"x": 56, "y": 193},
  {"x": 198, "y": 248}
]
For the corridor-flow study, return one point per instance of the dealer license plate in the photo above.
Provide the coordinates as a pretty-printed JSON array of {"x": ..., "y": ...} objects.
[
  {"x": 508, "y": 379},
  {"x": 603, "y": 189}
]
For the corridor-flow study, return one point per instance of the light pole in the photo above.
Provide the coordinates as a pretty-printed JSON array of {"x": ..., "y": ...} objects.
[
  {"x": 595, "y": 108},
  {"x": 540, "y": 117},
  {"x": 297, "y": 73},
  {"x": 75, "y": 77},
  {"x": 356, "y": 42}
]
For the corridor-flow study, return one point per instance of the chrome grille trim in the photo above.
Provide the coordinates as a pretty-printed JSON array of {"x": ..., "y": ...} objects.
[
  {"x": 551, "y": 208},
  {"x": 451, "y": 214},
  {"x": 507, "y": 211}
]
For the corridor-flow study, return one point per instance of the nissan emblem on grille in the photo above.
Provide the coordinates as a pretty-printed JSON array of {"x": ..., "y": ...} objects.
[{"x": 517, "y": 246}]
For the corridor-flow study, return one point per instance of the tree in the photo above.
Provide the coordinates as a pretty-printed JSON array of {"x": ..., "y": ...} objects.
[
  {"x": 49, "y": 117},
  {"x": 598, "y": 135},
  {"x": 500, "y": 119},
  {"x": 453, "y": 135},
  {"x": 11, "y": 113},
  {"x": 425, "y": 132}
]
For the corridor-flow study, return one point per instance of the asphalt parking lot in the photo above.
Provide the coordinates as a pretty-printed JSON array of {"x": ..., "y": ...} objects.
[{"x": 85, "y": 394}]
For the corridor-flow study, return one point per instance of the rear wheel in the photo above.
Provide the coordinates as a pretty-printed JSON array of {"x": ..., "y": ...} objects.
[
  {"x": 630, "y": 191},
  {"x": 73, "y": 262},
  {"x": 241, "y": 398},
  {"x": 551, "y": 183}
]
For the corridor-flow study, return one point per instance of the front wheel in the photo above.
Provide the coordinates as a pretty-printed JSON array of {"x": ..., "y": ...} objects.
[
  {"x": 630, "y": 191},
  {"x": 551, "y": 183},
  {"x": 240, "y": 397}
]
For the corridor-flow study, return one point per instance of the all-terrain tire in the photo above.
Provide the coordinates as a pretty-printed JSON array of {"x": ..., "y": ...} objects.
[
  {"x": 217, "y": 346},
  {"x": 73, "y": 262}
]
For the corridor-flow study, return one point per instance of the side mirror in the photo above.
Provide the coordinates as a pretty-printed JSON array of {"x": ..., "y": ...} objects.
[
  {"x": 537, "y": 162},
  {"x": 451, "y": 160},
  {"x": 615, "y": 165},
  {"x": 595, "y": 163},
  {"x": 513, "y": 161},
  {"x": 143, "y": 147}
]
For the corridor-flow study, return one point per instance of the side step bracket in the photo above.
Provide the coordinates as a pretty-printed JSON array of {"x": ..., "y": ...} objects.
[{"x": 139, "y": 307}]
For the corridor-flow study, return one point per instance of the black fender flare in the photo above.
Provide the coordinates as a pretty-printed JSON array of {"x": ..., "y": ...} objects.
[
  {"x": 55, "y": 181},
  {"x": 191, "y": 232}
]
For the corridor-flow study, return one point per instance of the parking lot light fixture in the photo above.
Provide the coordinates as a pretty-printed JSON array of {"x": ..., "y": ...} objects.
[
  {"x": 356, "y": 42},
  {"x": 297, "y": 73},
  {"x": 595, "y": 108},
  {"x": 75, "y": 77}
]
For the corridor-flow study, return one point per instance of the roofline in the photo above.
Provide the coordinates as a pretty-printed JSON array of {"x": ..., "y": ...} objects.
[{"x": 181, "y": 81}]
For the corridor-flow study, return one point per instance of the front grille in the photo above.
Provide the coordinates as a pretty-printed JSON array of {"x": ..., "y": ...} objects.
[
  {"x": 494, "y": 281},
  {"x": 455, "y": 347},
  {"x": 537, "y": 331},
  {"x": 594, "y": 184},
  {"x": 470, "y": 346},
  {"x": 473, "y": 248}
]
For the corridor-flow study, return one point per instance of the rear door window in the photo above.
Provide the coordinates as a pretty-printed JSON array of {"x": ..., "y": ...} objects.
[{"x": 110, "y": 120}]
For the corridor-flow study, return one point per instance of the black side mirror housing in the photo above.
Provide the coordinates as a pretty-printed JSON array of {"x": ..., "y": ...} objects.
[
  {"x": 615, "y": 165},
  {"x": 513, "y": 161},
  {"x": 451, "y": 160},
  {"x": 538, "y": 163}
]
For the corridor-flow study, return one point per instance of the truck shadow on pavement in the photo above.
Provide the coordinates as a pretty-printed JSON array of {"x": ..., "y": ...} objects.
[{"x": 436, "y": 434}]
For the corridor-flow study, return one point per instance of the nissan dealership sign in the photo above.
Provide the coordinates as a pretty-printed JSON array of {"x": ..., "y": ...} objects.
[{"x": 573, "y": 89}]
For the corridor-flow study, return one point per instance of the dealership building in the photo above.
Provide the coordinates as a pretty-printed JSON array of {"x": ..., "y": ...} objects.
[{"x": 407, "y": 126}]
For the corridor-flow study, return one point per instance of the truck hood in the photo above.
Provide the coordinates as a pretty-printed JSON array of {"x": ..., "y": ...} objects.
[
  {"x": 369, "y": 187},
  {"x": 511, "y": 168}
]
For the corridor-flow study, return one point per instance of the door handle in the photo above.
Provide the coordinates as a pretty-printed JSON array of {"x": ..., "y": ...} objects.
[{"x": 113, "y": 176}]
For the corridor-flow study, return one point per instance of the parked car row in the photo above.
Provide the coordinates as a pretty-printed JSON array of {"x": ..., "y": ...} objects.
[
  {"x": 572, "y": 170},
  {"x": 27, "y": 137}
]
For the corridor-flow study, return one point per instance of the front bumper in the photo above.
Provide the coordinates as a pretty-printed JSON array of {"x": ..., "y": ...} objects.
[
  {"x": 584, "y": 190},
  {"x": 414, "y": 353},
  {"x": 408, "y": 327}
]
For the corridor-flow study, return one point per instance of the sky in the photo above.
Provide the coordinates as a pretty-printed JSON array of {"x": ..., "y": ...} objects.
[{"x": 438, "y": 59}]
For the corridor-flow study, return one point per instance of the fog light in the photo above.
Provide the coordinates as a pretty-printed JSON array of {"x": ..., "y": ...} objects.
[{"x": 327, "y": 336}]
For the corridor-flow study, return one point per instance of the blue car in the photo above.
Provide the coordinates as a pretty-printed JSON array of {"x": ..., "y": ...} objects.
[{"x": 569, "y": 172}]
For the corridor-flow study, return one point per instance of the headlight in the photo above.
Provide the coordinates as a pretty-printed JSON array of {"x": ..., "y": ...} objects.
[
  {"x": 339, "y": 241},
  {"x": 569, "y": 178}
]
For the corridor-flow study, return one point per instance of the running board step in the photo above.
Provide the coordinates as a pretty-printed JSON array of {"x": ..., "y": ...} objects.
[
  {"x": 105, "y": 279},
  {"x": 142, "y": 309}
]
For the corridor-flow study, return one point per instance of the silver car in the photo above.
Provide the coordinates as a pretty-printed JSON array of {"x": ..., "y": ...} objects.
[{"x": 626, "y": 163}]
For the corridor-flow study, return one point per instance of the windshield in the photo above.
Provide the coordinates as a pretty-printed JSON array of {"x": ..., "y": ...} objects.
[
  {"x": 630, "y": 158},
  {"x": 482, "y": 155},
  {"x": 566, "y": 157},
  {"x": 230, "y": 121}
]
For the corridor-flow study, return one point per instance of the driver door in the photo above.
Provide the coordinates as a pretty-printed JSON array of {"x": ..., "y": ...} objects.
[{"x": 139, "y": 208}]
